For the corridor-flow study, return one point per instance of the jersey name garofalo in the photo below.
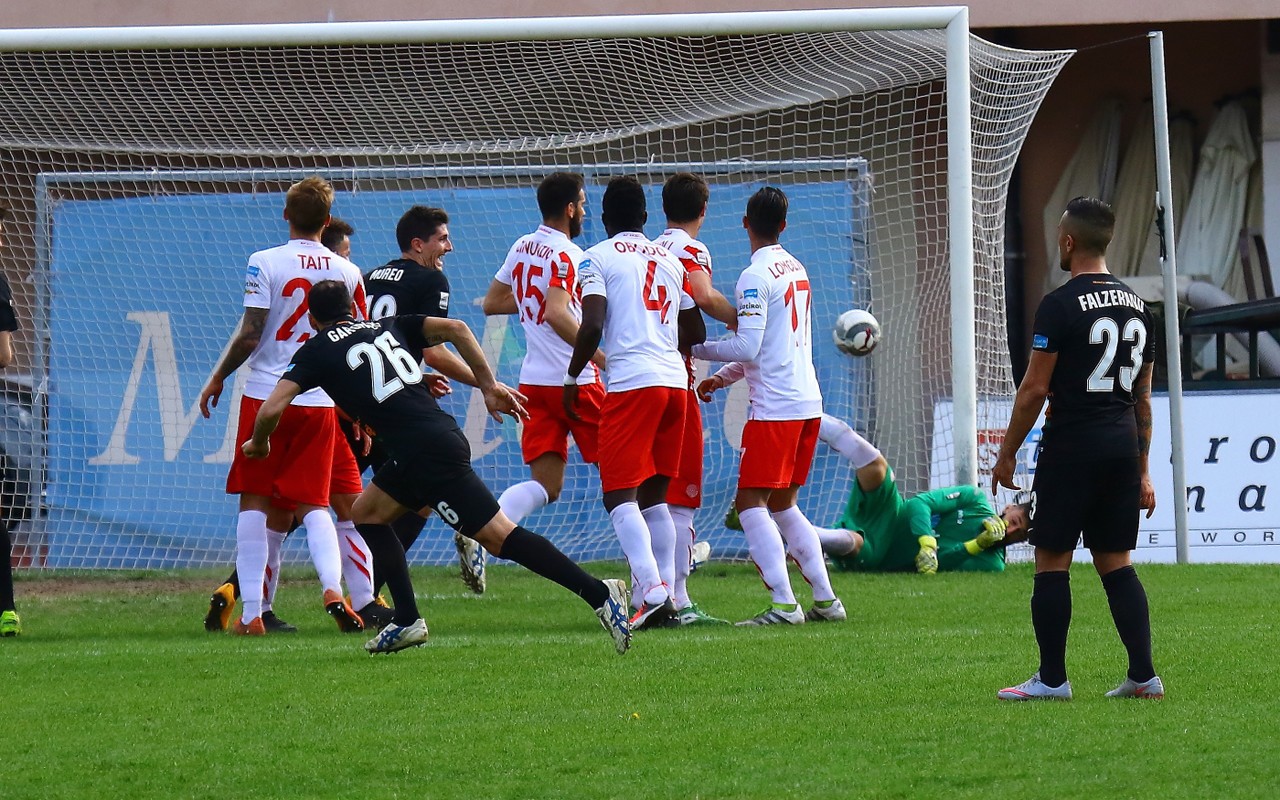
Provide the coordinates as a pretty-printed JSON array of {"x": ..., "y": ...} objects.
[
  {"x": 278, "y": 279},
  {"x": 781, "y": 381},
  {"x": 695, "y": 257},
  {"x": 646, "y": 289},
  {"x": 535, "y": 263}
]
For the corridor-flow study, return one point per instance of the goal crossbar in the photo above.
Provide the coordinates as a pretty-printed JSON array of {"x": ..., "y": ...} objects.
[{"x": 302, "y": 34}]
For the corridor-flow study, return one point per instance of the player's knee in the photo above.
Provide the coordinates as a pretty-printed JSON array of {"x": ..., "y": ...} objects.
[
  {"x": 872, "y": 476},
  {"x": 553, "y": 490}
]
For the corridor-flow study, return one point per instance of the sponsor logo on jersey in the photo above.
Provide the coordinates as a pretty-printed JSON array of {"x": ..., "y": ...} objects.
[
  {"x": 444, "y": 301},
  {"x": 750, "y": 293},
  {"x": 1039, "y": 342},
  {"x": 253, "y": 271}
]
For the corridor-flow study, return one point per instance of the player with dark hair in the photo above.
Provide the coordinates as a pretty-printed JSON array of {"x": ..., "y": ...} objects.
[
  {"x": 775, "y": 345},
  {"x": 415, "y": 283},
  {"x": 635, "y": 295},
  {"x": 337, "y": 236},
  {"x": 10, "y": 622},
  {"x": 1091, "y": 357},
  {"x": 303, "y": 478},
  {"x": 684, "y": 202},
  {"x": 539, "y": 282},
  {"x": 371, "y": 370}
]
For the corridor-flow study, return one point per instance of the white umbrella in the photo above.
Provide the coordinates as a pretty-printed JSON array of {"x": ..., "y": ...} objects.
[
  {"x": 1215, "y": 212},
  {"x": 1134, "y": 202},
  {"x": 1234, "y": 283},
  {"x": 1091, "y": 172}
]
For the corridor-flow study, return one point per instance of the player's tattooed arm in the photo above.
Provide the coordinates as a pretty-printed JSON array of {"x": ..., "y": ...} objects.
[
  {"x": 243, "y": 342},
  {"x": 1142, "y": 414}
]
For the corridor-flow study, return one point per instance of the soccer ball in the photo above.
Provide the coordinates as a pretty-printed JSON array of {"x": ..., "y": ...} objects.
[{"x": 856, "y": 333}]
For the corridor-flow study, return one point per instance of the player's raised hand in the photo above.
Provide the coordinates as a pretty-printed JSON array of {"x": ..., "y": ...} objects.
[
  {"x": 253, "y": 450},
  {"x": 437, "y": 384},
  {"x": 209, "y": 395},
  {"x": 502, "y": 399},
  {"x": 708, "y": 387},
  {"x": 1002, "y": 473},
  {"x": 1147, "y": 495}
]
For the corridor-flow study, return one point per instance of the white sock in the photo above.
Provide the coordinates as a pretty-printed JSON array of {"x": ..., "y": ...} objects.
[
  {"x": 847, "y": 442},
  {"x": 765, "y": 545},
  {"x": 633, "y": 534},
  {"x": 662, "y": 538},
  {"x": 251, "y": 561},
  {"x": 803, "y": 546},
  {"x": 322, "y": 541},
  {"x": 274, "y": 540},
  {"x": 836, "y": 541},
  {"x": 357, "y": 564},
  {"x": 521, "y": 500},
  {"x": 682, "y": 516}
]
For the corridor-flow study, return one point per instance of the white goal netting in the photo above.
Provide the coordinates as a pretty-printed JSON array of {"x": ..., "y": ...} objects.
[{"x": 139, "y": 181}]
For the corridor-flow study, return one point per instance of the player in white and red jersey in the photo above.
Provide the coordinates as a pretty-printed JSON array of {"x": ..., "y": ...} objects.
[
  {"x": 684, "y": 201},
  {"x": 539, "y": 282},
  {"x": 774, "y": 344},
  {"x": 297, "y": 478},
  {"x": 635, "y": 295}
]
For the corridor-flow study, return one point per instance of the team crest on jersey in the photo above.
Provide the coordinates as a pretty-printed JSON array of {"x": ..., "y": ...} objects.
[{"x": 444, "y": 301}]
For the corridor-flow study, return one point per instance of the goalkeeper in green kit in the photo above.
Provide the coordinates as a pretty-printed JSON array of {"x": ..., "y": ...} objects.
[{"x": 954, "y": 528}]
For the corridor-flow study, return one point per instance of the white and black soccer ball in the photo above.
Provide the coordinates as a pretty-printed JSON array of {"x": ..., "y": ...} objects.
[{"x": 856, "y": 333}]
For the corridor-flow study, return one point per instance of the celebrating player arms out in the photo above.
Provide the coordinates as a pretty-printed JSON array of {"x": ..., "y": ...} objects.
[
  {"x": 371, "y": 370},
  {"x": 635, "y": 296},
  {"x": 1091, "y": 357},
  {"x": 317, "y": 467},
  {"x": 415, "y": 283},
  {"x": 774, "y": 344}
]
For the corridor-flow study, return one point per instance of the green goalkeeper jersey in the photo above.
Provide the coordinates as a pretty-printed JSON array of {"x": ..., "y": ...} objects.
[{"x": 891, "y": 528}]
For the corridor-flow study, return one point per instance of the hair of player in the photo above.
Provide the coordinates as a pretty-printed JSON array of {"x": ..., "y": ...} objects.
[
  {"x": 329, "y": 301},
  {"x": 558, "y": 191},
  {"x": 1091, "y": 223},
  {"x": 335, "y": 232},
  {"x": 623, "y": 206},
  {"x": 419, "y": 222},
  {"x": 684, "y": 197},
  {"x": 307, "y": 204},
  {"x": 767, "y": 212}
]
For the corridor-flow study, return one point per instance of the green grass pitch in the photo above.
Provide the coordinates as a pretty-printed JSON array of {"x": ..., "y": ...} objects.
[{"x": 115, "y": 690}]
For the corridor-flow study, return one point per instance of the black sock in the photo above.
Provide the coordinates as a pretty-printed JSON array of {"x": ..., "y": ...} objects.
[
  {"x": 1051, "y": 617},
  {"x": 6, "y": 570},
  {"x": 234, "y": 580},
  {"x": 540, "y": 556},
  {"x": 1128, "y": 601},
  {"x": 406, "y": 529},
  {"x": 388, "y": 559}
]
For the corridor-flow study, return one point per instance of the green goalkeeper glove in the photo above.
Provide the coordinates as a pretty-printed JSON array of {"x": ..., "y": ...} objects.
[
  {"x": 993, "y": 530},
  {"x": 927, "y": 558}
]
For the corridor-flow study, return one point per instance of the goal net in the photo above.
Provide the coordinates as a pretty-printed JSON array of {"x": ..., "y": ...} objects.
[{"x": 139, "y": 180}]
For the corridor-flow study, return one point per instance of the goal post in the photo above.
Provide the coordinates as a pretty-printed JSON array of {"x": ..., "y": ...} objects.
[{"x": 142, "y": 165}]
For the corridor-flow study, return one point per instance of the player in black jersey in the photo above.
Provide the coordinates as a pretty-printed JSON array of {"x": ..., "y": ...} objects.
[
  {"x": 415, "y": 283},
  {"x": 1091, "y": 357},
  {"x": 10, "y": 623},
  {"x": 371, "y": 371}
]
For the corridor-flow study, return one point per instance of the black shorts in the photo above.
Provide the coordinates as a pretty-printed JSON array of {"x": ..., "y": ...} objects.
[
  {"x": 438, "y": 475},
  {"x": 1098, "y": 499},
  {"x": 377, "y": 453}
]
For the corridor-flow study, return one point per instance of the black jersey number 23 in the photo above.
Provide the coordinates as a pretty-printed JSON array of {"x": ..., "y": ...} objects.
[{"x": 1106, "y": 332}]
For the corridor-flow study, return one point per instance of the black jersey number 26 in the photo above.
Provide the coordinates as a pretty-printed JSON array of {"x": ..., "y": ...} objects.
[
  {"x": 385, "y": 351},
  {"x": 1106, "y": 332}
]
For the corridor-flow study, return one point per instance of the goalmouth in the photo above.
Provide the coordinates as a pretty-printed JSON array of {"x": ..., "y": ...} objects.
[{"x": 894, "y": 128}]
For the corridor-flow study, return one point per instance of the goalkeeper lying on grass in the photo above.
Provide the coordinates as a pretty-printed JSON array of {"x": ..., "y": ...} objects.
[{"x": 954, "y": 528}]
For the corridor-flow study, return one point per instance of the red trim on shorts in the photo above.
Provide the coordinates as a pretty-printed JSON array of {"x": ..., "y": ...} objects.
[
  {"x": 548, "y": 427},
  {"x": 777, "y": 454},
  {"x": 641, "y": 432}
]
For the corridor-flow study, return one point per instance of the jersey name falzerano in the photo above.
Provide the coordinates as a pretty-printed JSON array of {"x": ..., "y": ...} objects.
[{"x": 1111, "y": 297}]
